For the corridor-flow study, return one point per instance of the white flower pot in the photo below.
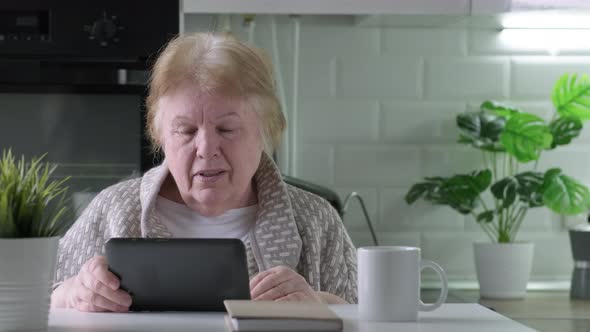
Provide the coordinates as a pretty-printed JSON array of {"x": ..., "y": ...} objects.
[
  {"x": 27, "y": 269},
  {"x": 503, "y": 269}
]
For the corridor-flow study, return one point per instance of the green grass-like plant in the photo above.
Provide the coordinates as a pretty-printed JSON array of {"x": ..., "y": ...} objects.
[
  {"x": 508, "y": 138},
  {"x": 31, "y": 204}
]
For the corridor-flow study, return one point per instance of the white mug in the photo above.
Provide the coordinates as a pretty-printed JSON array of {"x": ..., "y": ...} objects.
[{"x": 389, "y": 283}]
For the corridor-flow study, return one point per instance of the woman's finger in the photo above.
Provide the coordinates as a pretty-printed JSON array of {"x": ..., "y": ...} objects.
[
  {"x": 268, "y": 282},
  {"x": 88, "y": 307},
  {"x": 92, "y": 301},
  {"x": 280, "y": 269},
  {"x": 258, "y": 277},
  {"x": 117, "y": 297},
  {"x": 99, "y": 268},
  {"x": 278, "y": 291},
  {"x": 295, "y": 296}
]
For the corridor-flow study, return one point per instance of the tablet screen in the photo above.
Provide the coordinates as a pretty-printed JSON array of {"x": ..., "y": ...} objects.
[{"x": 179, "y": 274}]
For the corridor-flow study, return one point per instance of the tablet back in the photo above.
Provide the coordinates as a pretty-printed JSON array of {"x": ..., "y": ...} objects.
[{"x": 179, "y": 274}]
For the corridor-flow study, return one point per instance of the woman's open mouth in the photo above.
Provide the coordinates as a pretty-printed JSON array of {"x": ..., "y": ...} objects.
[{"x": 210, "y": 176}]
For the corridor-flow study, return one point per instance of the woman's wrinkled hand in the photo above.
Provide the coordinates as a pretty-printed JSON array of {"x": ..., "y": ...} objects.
[
  {"x": 281, "y": 283},
  {"x": 95, "y": 288}
]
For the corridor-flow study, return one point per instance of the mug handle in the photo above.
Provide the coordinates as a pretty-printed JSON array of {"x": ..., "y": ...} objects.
[{"x": 444, "y": 290}]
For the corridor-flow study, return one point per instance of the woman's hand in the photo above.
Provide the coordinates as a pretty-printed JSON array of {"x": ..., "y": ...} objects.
[
  {"x": 280, "y": 283},
  {"x": 94, "y": 288}
]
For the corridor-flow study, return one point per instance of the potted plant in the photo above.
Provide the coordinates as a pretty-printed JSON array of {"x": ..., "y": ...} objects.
[
  {"x": 511, "y": 142},
  {"x": 33, "y": 213}
]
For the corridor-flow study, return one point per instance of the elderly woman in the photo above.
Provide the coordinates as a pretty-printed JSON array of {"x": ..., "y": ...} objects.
[{"x": 213, "y": 110}]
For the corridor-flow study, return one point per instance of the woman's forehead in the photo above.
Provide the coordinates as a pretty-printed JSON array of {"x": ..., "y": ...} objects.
[{"x": 189, "y": 103}]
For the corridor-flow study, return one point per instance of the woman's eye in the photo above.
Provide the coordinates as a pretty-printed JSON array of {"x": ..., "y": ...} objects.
[
  {"x": 186, "y": 131},
  {"x": 225, "y": 130}
]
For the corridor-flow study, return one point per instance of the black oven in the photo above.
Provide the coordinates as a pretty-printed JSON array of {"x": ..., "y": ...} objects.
[{"x": 73, "y": 80}]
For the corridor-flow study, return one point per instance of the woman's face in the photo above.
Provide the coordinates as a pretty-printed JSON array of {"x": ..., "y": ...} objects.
[{"x": 213, "y": 148}]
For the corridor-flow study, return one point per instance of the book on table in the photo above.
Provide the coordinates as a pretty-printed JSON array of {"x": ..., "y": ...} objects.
[{"x": 246, "y": 315}]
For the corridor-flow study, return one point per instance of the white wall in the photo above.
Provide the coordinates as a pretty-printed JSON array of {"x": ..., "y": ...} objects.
[{"x": 377, "y": 111}]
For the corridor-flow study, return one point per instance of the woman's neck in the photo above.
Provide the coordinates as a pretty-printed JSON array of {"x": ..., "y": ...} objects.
[{"x": 169, "y": 190}]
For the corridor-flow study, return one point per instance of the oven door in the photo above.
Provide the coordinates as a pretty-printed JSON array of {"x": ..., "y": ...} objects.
[{"x": 93, "y": 138}]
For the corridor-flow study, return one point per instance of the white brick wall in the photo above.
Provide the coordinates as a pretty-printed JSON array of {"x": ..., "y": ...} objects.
[
  {"x": 424, "y": 42},
  {"x": 377, "y": 113},
  {"x": 419, "y": 122},
  {"x": 533, "y": 77},
  {"x": 354, "y": 219},
  {"x": 466, "y": 77},
  {"x": 388, "y": 76},
  {"x": 376, "y": 165},
  {"x": 358, "y": 120},
  {"x": 337, "y": 40},
  {"x": 316, "y": 163}
]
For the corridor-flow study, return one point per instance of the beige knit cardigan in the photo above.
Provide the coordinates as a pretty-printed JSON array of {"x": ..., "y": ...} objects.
[{"x": 293, "y": 228}]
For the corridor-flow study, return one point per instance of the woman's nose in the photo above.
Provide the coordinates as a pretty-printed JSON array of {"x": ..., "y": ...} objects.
[{"x": 207, "y": 144}]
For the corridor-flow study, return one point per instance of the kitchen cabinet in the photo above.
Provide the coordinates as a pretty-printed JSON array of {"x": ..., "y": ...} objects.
[{"x": 347, "y": 7}]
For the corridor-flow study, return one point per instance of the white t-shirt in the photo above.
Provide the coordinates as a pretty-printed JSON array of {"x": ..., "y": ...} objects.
[{"x": 184, "y": 222}]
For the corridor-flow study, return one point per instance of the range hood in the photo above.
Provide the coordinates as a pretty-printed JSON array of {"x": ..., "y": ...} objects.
[{"x": 420, "y": 13}]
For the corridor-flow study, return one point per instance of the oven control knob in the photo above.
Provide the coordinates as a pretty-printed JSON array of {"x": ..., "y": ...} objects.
[{"x": 104, "y": 30}]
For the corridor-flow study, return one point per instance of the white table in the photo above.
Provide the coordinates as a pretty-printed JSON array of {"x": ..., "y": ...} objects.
[{"x": 450, "y": 317}]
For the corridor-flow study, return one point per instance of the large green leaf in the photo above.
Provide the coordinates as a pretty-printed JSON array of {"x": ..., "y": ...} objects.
[
  {"x": 505, "y": 190},
  {"x": 525, "y": 186},
  {"x": 460, "y": 192},
  {"x": 499, "y": 109},
  {"x": 571, "y": 96},
  {"x": 481, "y": 180},
  {"x": 525, "y": 135},
  {"x": 564, "y": 194},
  {"x": 565, "y": 129},
  {"x": 481, "y": 129},
  {"x": 530, "y": 185},
  {"x": 427, "y": 190},
  {"x": 420, "y": 190},
  {"x": 476, "y": 182},
  {"x": 486, "y": 216}
]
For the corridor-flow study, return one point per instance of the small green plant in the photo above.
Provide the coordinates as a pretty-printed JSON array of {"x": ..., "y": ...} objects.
[
  {"x": 31, "y": 205},
  {"x": 509, "y": 138}
]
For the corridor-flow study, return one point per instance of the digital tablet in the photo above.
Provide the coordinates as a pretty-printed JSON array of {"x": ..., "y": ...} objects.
[{"x": 179, "y": 274}]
